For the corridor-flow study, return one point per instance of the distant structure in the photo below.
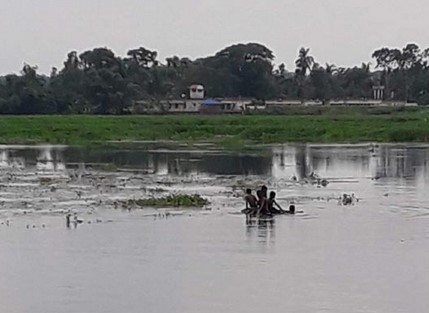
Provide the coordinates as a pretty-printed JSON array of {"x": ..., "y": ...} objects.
[
  {"x": 196, "y": 92},
  {"x": 378, "y": 92},
  {"x": 195, "y": 102},
  {"x": 211, "y": 106}
]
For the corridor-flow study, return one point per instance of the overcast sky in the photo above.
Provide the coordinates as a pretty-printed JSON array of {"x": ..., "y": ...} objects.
[{"x": 344, "y": 32}]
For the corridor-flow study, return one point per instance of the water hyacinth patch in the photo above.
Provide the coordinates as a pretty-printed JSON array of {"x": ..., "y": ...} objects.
[{"x": 172, "y": 201}]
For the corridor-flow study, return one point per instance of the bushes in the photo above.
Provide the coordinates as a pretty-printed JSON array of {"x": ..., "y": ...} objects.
[{"x": 409, "y": 135}]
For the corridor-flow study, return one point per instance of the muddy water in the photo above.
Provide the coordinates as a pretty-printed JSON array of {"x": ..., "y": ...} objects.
[{"x": 370, "y": 256}]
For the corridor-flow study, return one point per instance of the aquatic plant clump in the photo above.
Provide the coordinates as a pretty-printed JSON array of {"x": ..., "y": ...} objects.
[{"x": 173, "y": 201}]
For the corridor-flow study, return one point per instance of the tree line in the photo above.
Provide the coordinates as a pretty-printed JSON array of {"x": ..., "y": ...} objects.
[{"x": 99, "y": 82}]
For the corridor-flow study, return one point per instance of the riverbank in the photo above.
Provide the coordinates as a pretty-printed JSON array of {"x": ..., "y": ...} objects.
[{"x": 226, "y": 130}]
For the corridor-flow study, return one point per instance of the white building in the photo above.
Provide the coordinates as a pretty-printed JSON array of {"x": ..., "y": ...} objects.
[{"x": 196, "y": 92}]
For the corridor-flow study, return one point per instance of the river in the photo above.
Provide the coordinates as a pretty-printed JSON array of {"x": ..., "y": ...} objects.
[{"x": 371, "y": 256}]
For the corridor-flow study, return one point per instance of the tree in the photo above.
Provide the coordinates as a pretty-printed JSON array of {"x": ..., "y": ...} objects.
[
  {"x": 387, "y": 60},
  {"x": 321, "y": 80},
  {"x": 72, "y": 63},
  {"x": 409, "y": 58},
  {"x": 354, "y": 82},
  {"x": 144, "y": 57},
  {"x": 173, "y": 61},
  {"x": 98, "y": 58},
  {"x": 98, "y": 81},
  {"x": 304, "y": 64},
  {"x": 244, "y": 70}
]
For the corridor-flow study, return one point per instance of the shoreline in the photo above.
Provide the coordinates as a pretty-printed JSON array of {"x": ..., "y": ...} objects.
[{"x": 230, "y": 131}]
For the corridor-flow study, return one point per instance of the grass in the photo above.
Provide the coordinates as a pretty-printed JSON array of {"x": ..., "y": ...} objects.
[
  {"x": 229, "y": 131},
  {"x": 173, "y": 201}
]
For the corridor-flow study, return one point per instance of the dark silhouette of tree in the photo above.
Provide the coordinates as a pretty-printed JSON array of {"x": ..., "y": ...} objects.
[
  {"x": 98, "y": 81},
  {"x": 304, "y": 64}
]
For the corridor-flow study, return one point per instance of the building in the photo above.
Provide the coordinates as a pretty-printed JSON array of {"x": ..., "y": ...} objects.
[
  {"x": 196, "y": 92},
  {"x": 196, "y": 103}
]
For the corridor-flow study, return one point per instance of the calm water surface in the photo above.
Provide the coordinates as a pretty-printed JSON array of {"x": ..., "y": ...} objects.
[{"x": 372, "y": 256}]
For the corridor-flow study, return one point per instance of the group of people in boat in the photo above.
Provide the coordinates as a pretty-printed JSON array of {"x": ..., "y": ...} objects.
[{"x": 263, "y": 204}]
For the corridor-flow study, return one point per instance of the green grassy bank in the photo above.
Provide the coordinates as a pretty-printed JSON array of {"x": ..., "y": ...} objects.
[{"x": 227, "y": 130}]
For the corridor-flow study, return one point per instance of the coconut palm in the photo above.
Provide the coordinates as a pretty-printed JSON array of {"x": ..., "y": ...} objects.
[
  {"x": 331, "y": 69},
  {"x": 304, "y": 63},
  {"x": 173, "y": 61}
]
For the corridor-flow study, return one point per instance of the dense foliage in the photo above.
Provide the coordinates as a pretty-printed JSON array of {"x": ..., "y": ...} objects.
[{"x": 100, "y": 82}]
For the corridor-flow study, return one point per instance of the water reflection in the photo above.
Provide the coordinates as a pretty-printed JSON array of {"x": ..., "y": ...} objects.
[
  {"x": 384, "y": 161},
  {"x": 262, "y": 230},
  {"x": 279, "y": 162}
]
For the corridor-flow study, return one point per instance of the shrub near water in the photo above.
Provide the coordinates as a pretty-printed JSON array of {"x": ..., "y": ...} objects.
[{"x": 173, "y": 201}]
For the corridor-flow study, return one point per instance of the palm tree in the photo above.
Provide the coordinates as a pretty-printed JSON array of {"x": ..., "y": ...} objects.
[
  {"x": 386, "y": 59},
  {"x": 304, "y": 64},
  {"x": 366, "y": 67},
  {"x": 173, "y": 61},
  {"x": 331, "y": 69}
]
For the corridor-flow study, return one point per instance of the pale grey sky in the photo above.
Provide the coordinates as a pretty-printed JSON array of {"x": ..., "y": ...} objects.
[{"x": 344, "y": 32}]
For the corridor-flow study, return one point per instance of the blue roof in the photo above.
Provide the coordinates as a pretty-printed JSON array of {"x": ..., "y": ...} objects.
[{"x": 210, "y": 102}]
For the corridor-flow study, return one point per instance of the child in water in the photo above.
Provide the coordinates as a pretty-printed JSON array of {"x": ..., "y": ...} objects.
[
  {"x": 278, "y": 209},
  {"x": 262, "y": 202},
  {"x": 251, "y": 203},
  {"x": 272, "y": 203}
]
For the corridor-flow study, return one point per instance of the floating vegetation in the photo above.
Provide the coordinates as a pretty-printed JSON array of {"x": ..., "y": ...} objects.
[{"x": 173, "y": 201}]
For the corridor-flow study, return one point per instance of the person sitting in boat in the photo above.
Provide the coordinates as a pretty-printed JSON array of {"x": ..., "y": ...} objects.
[{"x": 251, "y": 203}]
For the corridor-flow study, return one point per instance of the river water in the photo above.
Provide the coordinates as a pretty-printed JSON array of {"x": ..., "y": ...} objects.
[{"x": 371, "y": 256}]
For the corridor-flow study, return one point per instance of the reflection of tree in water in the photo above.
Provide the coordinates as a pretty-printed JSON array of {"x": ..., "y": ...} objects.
[
  {"x": 390, "y": 161},
  {"x": 340, "y": 161},
  {"x": 119, "y": 157},
  {"x": 401, "y": 163},
  {"x": 386, "y": 161},
  {"x": 303, "y": 168},
  {"x": 236, "y": 165},
  {"x": 282, "y": 157},
  {"x": 180, "y": 163},
  {"x": 44, "y": 158},
  {"x": 28, "y": 155}
]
